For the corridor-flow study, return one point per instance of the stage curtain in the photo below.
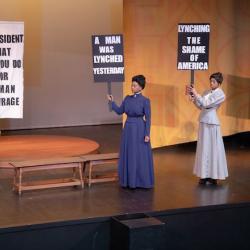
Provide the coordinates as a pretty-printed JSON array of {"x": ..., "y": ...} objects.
[{"x": 150, "y": 38}]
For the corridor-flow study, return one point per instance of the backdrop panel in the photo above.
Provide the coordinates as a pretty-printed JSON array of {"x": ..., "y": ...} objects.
[{"x": 150, "y": 30}]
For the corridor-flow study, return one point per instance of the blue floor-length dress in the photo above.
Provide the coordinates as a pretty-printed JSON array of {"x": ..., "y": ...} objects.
[{"x": 135, "y": 166}]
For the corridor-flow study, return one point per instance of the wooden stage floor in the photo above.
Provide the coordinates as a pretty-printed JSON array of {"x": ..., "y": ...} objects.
[
  {"x": 31, "y": 147},
  {"x": 175, "y": 186}
]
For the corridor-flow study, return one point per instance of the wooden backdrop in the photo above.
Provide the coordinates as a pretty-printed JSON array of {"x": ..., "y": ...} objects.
[{"x": 150, "y": 30}]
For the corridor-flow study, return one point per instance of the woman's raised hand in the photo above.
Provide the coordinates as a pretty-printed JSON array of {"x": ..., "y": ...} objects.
[
  {"x": 191, "y": 91},
  {"x": 110, "y": 98}
]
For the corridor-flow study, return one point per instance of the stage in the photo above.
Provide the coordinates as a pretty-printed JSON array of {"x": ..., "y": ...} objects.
[{"x": 176, "y": 199}]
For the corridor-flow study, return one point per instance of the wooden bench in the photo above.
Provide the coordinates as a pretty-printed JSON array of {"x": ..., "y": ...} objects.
[
  {"x": 93, "y": 160},
  {"x": 21, "y": 167}
]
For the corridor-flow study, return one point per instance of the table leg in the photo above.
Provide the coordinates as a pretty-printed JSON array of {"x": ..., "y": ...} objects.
[
  {"x": 90, "y": 173},
  {"x": 20, "y": 182},
  {"x": 80, "y": 175},
  {"x": 14, "y": 179},
  {"x": 74, "y": 172}
]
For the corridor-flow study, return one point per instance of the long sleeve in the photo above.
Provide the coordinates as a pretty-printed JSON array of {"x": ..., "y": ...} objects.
[
  {"x": 147, "y": 111},
  {"x": 117, "y": 109},
  {"x": 211, "y": 100},
  {"x": 197, "y": 104}
]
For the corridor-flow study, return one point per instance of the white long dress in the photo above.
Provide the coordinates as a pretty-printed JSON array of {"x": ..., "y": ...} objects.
[{"x": 210, "y": 159}]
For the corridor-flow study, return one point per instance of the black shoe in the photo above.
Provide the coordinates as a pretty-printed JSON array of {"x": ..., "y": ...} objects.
[
  {"x": 202, "y": 181},
  {"x": 212, "y": 181}
]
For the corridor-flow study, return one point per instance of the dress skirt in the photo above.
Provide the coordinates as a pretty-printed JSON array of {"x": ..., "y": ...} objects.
[
  {"x": 210, "y": 159},
  {"x": 136, "y": 160}
]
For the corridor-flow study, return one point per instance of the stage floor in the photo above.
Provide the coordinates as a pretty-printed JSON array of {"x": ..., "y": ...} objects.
[
  {"x": 175, "y": 186},
  {"x": 32, "y": 147}
]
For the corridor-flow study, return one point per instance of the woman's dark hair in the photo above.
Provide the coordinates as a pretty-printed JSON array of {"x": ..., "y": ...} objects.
[
  {"x": 217, "y": 76},
  {"x": 140, "y": 79}
]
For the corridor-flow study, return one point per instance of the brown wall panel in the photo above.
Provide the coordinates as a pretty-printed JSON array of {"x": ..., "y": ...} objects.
[
  {"x": 150, "y": 29},
  {"x": 58, "y": 80}
]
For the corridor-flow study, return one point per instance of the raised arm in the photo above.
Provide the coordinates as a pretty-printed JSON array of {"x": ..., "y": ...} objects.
[
  {"x": 147, "y": 111},
  {"x": 194, "y": 100},
  {"x": 118, "y": 109},
  {"x": 210, "y": 100},
  {"x": 191, "y": 96},
  {"x": 197, "y": 104}
]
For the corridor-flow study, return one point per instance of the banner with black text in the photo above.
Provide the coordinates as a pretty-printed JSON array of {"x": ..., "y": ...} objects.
[
  {"x": 108, "y": 59},
  {"x": 11, "y": 69},
  {"x": 193, "y": 46}
]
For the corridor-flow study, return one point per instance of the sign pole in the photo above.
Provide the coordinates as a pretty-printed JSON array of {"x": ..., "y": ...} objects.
[
  {"x": 192, "y": 78},
  {"x": 192, "y": 81},
  {"x": 109, "y": 93}
]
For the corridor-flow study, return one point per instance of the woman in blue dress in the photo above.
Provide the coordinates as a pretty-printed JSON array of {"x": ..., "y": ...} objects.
[{"x": 135, "y": 166}]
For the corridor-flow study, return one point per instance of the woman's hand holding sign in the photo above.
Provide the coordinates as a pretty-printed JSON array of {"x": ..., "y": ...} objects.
[{"x": 110, "y": 98}]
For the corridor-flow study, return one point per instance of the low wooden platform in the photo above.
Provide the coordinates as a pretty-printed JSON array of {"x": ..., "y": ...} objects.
[
  {"x": 92, "y": 161},
  {"x": 77, "y": 164},
  {"x": 21, "y": 167}
]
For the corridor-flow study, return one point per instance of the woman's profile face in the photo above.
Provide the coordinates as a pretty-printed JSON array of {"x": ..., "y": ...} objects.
[
  {"x": 135, "y": 87},
  {"x": 214, "y": 84}
]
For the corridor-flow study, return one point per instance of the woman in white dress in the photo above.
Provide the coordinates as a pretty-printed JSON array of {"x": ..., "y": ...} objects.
[{"x": 210, "y": 160}]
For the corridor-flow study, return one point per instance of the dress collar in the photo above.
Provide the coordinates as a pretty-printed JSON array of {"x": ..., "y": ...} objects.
[
  {"x": 137, "y": 94},
  {"x": 214, "y": 90}
]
